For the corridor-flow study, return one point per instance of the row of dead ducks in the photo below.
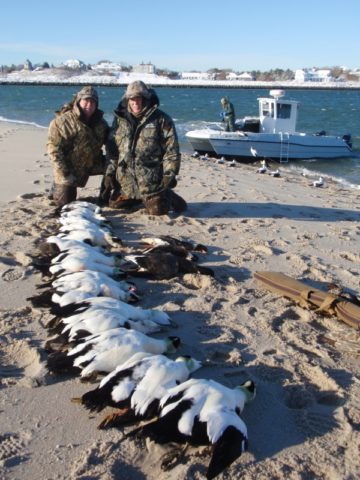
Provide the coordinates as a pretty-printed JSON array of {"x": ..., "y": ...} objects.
[{"x": 96, "y": 330}]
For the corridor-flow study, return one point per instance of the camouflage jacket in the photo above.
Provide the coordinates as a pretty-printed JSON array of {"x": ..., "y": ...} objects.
[
  {"x": 75, "y": 148},
  {"x": 142, "y": 150}
]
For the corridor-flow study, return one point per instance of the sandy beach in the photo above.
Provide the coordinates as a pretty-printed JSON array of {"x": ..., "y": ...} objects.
[{"x": 305, "y": 420}]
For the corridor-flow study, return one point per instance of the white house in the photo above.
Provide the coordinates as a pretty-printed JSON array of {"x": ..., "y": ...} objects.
[
  {"x": 196, "y": 76},
  {"x": 245, "y": 76},
  {"x": 144, "y": 68},
  {"x": 312, "y": 75},
  {"x": 74, "y": 64},
  {"x": 107, "y": 67}
]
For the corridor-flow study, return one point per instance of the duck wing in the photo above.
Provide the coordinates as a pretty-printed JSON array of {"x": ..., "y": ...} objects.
[{"x": 231, "y": 444}]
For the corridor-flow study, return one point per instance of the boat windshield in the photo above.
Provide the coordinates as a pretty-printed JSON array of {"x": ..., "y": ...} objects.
[{"x": 283, "y": 110}]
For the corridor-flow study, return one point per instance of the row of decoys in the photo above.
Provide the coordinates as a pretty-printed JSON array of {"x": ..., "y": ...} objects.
[{"x": 96, "y": 330}]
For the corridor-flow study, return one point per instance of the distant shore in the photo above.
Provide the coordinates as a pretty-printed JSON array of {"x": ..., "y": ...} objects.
[
  {"x": 164, "y": 82},
  {"x": 254, "y": 85}
]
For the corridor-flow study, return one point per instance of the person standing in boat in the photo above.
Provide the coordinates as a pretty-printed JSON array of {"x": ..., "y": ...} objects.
[
  {"x": 75, "y": 141},
  {"x": 228, "y": 114},
  {"x": 143, "y": 153}
]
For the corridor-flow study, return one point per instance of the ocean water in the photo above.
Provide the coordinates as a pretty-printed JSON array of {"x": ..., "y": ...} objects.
[{"x": 335, "y": 111}]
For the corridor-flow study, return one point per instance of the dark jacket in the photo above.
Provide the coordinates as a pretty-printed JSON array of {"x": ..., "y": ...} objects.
[{"x": 143, "y": 149}]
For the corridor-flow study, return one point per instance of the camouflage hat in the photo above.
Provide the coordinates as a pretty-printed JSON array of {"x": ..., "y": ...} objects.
[
  {"x": 137, "y": 89},
  {"x": 88, "y": 92}
]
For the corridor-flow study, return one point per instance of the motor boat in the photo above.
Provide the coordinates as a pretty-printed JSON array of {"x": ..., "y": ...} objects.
[{"x": 272, "y": 135}]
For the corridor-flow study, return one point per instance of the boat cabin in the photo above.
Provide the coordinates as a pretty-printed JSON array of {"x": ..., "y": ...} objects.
[{"x": 277, "y": 115}]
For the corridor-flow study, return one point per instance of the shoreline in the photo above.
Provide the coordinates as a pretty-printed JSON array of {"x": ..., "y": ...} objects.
[
  {"x": 39, "y": 144},
  {"x": 306, "y": 416},
  {"x": 262, "y": 86},
  {"x": 163, "y": 82}
]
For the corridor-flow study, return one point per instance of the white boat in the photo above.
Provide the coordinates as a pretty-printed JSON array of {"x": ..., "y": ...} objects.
[{"x": 273, "y": 135}]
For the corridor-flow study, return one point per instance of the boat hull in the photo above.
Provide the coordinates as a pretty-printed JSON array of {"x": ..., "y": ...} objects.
[
  {"x": 200, "y": 140},
  {"x": 281, "y": 147}
]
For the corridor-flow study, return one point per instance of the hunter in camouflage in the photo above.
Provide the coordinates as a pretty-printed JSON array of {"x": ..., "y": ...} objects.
[
  {"x": 75, "y": 140},
  {"x": 144, "y": 151}
]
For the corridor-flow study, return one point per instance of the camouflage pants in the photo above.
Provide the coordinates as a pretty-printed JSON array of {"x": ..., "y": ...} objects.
[{"x": 63, "y": 194}]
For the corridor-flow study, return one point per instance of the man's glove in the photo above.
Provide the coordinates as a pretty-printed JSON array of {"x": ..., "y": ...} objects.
[
  {"x": 109, "y": 187},
  {"x": 169, "y": 180}
]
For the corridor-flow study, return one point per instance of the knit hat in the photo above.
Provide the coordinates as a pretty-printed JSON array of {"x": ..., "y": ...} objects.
[
  {"x": 137, "y": 89},
  {"x": 88, "y": 92}
]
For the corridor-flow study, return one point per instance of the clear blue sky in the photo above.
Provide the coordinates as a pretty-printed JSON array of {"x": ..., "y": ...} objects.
[{"x": 183, "y": 34}]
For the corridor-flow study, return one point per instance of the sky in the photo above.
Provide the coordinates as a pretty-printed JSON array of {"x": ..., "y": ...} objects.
[{"x": 183, "y": 35}]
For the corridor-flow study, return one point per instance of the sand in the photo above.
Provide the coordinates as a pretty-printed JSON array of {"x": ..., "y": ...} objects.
[{"x": 305, "y": 420}]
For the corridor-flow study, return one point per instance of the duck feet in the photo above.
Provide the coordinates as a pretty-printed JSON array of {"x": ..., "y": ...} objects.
[
  {"x": 113, "y": 420},
  {"x": 171, "y": 459}
]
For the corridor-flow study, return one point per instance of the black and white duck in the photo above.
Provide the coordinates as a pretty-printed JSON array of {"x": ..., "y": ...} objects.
[
  {"x": 137, "y": 386},
  {"x": 104, "y": 352},
  {"x": 76, "y": 287},
  {"x": 94, "y": 235},
  {"x": 101, "y": 319},
  {"x": 200, "y": 412},
  {"x": 122, "y": 308}
]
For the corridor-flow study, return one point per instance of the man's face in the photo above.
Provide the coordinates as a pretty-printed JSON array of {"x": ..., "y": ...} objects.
[
  {"x": 136, "y": 104},
  {"x": 88, "y": 106}
]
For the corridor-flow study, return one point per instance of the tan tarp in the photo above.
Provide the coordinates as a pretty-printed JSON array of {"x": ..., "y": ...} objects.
[{"x": 311, "y": 298}]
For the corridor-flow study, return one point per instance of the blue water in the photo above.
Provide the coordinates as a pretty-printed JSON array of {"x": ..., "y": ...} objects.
[{"x": 335, "y": 111}]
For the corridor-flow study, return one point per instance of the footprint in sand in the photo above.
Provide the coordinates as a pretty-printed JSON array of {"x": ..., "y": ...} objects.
[
  {"x": 29, "y": 196},
  {"x": 283, "y": 319},
  {"x": 12, "y": 274},
  {"x": 13, "y": 444},
  {"x": 301, "y": 262},
  {"x": 298, "y": 397},
  {"x": 315, "y": 423},
  {"x": 197, "y": 282},
  {"x": 222, "y": 354},
  {"x": 351, "y": 257},
  {"x": 21, "y": 361},
  {"x": 264, "y": 249},
  {"x": 269, "y": 373}
]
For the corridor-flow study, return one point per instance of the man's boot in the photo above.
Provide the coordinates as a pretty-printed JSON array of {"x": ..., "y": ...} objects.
[
  {"x": 158, "y": 203},
  {"x": 178, "y": 204}
]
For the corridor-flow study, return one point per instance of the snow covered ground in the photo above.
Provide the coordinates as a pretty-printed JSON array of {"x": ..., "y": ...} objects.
[{"x": 62, "y": 76}]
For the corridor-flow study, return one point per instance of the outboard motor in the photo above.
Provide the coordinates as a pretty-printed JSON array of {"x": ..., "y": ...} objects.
[{"x": 347, "y": 139}]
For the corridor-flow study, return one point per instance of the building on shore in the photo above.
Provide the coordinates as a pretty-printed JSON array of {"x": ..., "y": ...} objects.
[
  {"x": 313, "y": 75},
  {"x": 242, "y": 76},
  {"x": 197, "y": 76},
  {"x": 144, "y": 68}
]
